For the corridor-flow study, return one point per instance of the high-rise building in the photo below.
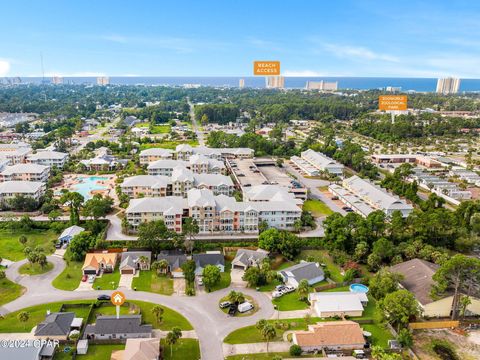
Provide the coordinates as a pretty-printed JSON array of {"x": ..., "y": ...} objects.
[
  {"x": 322, "y": 85},
  {"x": 393, "y": 89},
  {"x": 57, "y": 80},
  {"x": 103, "y": 80},
  {"x": 448, "y": 85},
  {"x": 275, "y": 82},
  {"x": 241, "y": 83}
]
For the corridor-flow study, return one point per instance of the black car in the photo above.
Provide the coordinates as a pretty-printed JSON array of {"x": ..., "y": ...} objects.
[
  {"x": 232, "y": 310},
  {"x": 103, "y": 298}
]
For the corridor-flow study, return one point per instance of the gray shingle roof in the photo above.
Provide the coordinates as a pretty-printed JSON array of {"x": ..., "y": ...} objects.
[
  {"x": 303, "y": 270},
  {"x": 55, "y": 324},
  {"x": 202, "y": 260},
  {"x": 125, "y": 324},
  {"x": 175, "y": 260}
]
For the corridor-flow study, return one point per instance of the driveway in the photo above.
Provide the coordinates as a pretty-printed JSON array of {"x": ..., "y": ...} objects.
[
  {"x": 125, "y": 282},
  {"x": 236, "y": 278},
  {"x": 114, "y": 231},
  {"x": 179, "y": 286}
]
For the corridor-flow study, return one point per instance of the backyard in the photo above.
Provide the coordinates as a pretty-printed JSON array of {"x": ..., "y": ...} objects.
[
  {"x": 184, "y": 349},
  {"x": 224, "y": 278},
  {"x": 317, "y": 208},
  {"x": 151, "y": 282},
  {"x": 100, "y": 352},
  {"x": 12, "y": 249},
  {"x": 70, "y": 277}
]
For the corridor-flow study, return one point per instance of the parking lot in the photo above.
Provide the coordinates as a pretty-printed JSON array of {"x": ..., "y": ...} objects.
[{"x": 246, "y": 172}]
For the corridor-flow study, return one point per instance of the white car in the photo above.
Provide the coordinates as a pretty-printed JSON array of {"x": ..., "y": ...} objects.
[
  {"x": 277, "y": 294},
  {"x": 200, "y": 281},
  {"x": 288, "y": 289},
  {"x": 91, "y": 279}
]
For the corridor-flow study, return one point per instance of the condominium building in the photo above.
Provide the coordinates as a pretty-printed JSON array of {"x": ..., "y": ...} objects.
[
  {"x": 270, "y": 193},
  {"x": 275, "y": 82},
  {"x": 448, "y": 85},
  {"x": 241, "y": 83},
  {"x": 213, "y": 213},
  {"x": 15, "y": 152},
  {"x": 150, "y": 155},
  {"x": 197, "y": 163},
  {"x": 178, "y": 184},
  {"x": 48, "y": 158},
  {"x": 11, "y": 189},
  {"x": 322, "y": 85},
  {"x": 25, "y": 172},
  {"x": 57, "y": 80},
  {"x": 319, "y": 161},
  {"x": 365, "y": 197}
]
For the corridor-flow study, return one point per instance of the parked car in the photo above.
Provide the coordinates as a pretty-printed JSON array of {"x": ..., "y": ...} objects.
[
  {"x": 58, "y": 245},
  {"x": 84, "y": 278},
  {"x": 232, "y": 310},
  {"x": 103, "y": 297},
  {"x": 200, "y": 281},
  {"x": 91, "y": 279},
  {"x": 225, "y": 304},
  {"x": 279, "y": 287},
  {"x": 276, "y": 294},
  {"x": 288, "y": 289},
  {"x": 334, "y": 197}
]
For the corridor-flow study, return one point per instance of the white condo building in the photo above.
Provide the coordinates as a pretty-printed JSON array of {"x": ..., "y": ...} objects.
[
  {"x": 312, "y": 163},
  {"x": 48, "y": 158},
  {"x": 25, "y": 172},
  {"x": 448, "y": 86}
]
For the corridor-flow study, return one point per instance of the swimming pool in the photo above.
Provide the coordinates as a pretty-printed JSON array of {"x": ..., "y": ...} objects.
[
  {"x": 88, "y": 184},
  {"x": 359, "y": 288}
]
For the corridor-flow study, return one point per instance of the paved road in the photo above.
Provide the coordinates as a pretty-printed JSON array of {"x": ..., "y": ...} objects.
[
  {"x": 200, "y": 135},
  {"x": 210, "y": 324}
]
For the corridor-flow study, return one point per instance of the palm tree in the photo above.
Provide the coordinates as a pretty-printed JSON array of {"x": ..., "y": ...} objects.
[
  {"x": 160, "y": 266},
  {"x": 268, "y": 333},
  {"x": 172, "y": 338},
  {"x": 157, "y": 311},
  {"x": 143, "y": 261},
  {"x": 303, "y": 288},
  {"x": 23, "y": 316}
]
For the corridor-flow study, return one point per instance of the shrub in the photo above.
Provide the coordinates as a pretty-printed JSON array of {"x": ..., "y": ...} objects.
[
  {"x": 444, "y": 350},
  {"x": 295, "y": 350}
]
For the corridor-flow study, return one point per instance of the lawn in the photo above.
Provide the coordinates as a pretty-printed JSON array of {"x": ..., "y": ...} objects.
[
  {"x": 151, "y": 282},
  {"x": 9, "y": 291},
  {"x": 11, "y": 248},
  {"x": 322, "y": 256},
  {"x": 250, "y": 334},
  {"x": 105, "y": 281},
  {"x": 100, "y": 352},
  {"x": 225, "y": 278},
  {"x": 289, "y": 302},
  {"x": 184, "y": 349},
  {"x": 9, "y": 323},
  {"x": 380, "y": 335},
  {"x": 34, "y": 269},
  {"x": 70, "y": 277},
  {"x": 160, "y": 129},
  {"x": 317, "y": 208}
]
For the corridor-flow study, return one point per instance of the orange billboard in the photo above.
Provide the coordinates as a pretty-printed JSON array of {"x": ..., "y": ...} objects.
[
  {"x": 266, "y": 68},
  {"x": 392, "y": 102}
]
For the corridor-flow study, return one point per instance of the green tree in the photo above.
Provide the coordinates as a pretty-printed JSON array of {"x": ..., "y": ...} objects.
[
  {"x": 157, "y": 312},
  {"x": 74, "y": 201},
  {"x": 172, "y": 338},
  {"x": 80, "y": 245},
  {"x": 54, "y": 215},
  {"x": 383, "y": 283},
  {"x": 459, "y": 273},
  {"x": 97, "y": 207},
  {"x": 236, "y": 297},
  {"x": 22, "y": 240},
  {"x": 160, "y": 266},
  {"x": 295, "y": 350},
  {"x": 399, "y": 307},
  {"x": 188, "y": 268},
  {"x": 23, "y": 316},
  {"x": 268, "y": 333},
  {"x": 151, "y": 235},
  {"x": 405, "y": 338},
  {"x": 211, "y": 276},
  {"x": 190, "y": 229},
  {"x": 252, "y": 276},
  {"x": 303, "y": 289}
]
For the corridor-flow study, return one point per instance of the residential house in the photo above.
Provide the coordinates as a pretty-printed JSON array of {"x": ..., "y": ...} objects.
[
  {"x": 246, "y": 258},
  {"x": 304, "y": 270},
  {"x": 339, "y": 303},
  {"x": 57, "y": 326},
  {"x": 131, "y": 261},
  {"x": 175, "y": 261},
  {"x": 124, "y": 327},
  {"x": 330, "y": 335},
  {"x": 67, "y": 235},
  {"x": 95, "y": 263},
  {"x": 139, "y": 349},
  {"x": 30, "y": 351},
  {"x": 25, "y": 172},
  {"x": 48, "y": 158},
  {"x": 214, "y": 258},
  {"x": 418, "y": 279}
]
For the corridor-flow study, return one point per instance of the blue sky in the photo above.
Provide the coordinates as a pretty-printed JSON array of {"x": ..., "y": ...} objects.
[{"x": 223, "y": 38}]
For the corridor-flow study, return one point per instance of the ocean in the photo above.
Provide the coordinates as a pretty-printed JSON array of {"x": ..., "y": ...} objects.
[{"x": 359, "y": 83}]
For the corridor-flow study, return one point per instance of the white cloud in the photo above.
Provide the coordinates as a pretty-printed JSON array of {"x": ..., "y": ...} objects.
[
  {"x": 4, "y": 67},
  {"x": 357, "y": 53}
]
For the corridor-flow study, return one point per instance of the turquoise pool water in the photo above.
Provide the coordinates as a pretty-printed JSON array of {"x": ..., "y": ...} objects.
[
  {"x": 359, "y": 288},
  {"x": 87, "y": 184}
]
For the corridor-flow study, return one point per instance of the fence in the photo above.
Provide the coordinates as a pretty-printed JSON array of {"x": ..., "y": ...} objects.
[{"x": 433, "y": 325}]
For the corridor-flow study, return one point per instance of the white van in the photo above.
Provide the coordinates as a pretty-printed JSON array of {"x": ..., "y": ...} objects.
[{"x": 244, "y": 307}]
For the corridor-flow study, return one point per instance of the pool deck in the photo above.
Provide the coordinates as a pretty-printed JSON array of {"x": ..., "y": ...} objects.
[{"x": 70, "y": 181}]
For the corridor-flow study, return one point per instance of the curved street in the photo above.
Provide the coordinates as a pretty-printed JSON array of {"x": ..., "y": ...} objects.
[{"x": 210, "y": 324}]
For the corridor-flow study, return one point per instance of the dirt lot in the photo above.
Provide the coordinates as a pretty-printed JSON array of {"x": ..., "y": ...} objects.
[{"x": 467, "y": 347}]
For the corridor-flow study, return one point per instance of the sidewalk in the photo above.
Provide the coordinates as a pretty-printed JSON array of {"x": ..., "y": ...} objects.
[{"x": 255, "y": 348}]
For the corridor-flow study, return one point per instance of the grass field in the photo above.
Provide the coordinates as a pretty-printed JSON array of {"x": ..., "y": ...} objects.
[
  {"x": 11, "y": 249},
  {"x": 225, "y": 278},
  {"x": 289, "y": 302},
  {"x": 184, "y": 349},
  {"x": 151, "y": 282},
  {"x": 70, "y": 277},
  {"x": 171, "y": 318},
  {"x": 34, "y": 269},
  {"x": 322, "y": 256},
  {"x": 9, "y": 291},
  {"x": 106, "y": 280},
  {"x": 99, "y": 352},
  {"x": 317, "y": 208}
]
